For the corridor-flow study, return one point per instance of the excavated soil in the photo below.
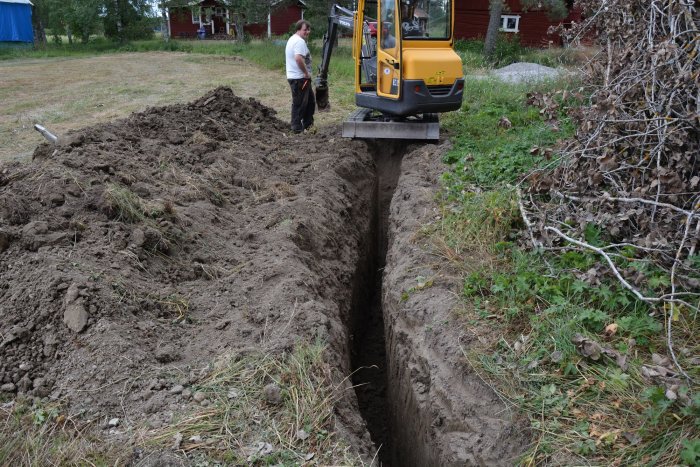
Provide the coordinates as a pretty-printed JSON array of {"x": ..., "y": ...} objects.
[{"x": 134, "y": 253}]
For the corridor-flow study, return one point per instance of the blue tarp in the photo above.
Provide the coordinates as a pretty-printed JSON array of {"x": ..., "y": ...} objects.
[{"x": 16, "y": 22}]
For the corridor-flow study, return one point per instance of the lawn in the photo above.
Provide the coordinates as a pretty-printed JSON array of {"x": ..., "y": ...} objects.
[{"x": 74, "y": 91}]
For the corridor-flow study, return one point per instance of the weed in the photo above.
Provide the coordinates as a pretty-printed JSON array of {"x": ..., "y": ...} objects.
[
  {"x": 421, "y": 283},
  {"x": 487, "y": 154},
  {"x": 126, "y": 205},
  {"x": 479, "y": 221}
]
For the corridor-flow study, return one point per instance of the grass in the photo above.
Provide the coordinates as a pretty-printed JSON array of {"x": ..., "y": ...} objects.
[
  {"x": 508, "y": 50},
  {"x": 50, "y": 437},
  {"x": 243, "y": 425},
  {"x": 535, "y": 305},
  {"x": 86, "y": 84},
  {"x": 490, "y": 151},
  {"x": 124, "y": 205}
]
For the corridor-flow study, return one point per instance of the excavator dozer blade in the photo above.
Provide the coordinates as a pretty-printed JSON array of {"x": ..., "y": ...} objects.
[{"x": 362, "y": 125}]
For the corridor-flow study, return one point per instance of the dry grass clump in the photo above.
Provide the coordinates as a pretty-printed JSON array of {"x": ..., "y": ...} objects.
[
  {"x": 262, "y": 409},
  {"x": 40, "y": 434}
]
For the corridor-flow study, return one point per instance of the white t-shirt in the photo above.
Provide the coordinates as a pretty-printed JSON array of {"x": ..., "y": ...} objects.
[{"x": 296, "y": 46}]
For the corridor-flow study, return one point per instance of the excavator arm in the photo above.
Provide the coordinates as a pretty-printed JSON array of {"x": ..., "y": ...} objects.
[{"x": 340, "y": 17}]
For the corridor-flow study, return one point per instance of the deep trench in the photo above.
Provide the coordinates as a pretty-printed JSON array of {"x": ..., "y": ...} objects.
[{"x": 368, "y": 347}]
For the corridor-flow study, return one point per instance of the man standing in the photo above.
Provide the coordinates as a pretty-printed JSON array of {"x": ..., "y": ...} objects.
[{"x": 298, "y": 59}]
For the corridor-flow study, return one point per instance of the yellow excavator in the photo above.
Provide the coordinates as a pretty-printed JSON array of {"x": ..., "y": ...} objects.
[{"x": 406, "y": 71}]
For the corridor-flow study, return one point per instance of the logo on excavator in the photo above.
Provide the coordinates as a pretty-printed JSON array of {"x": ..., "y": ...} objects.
[{"x": 439, "y": 78}]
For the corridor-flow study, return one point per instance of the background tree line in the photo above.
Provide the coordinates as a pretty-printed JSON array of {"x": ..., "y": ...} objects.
[
  {"x": 78, "y": 19},
  {"x": 125, "y": 20}
]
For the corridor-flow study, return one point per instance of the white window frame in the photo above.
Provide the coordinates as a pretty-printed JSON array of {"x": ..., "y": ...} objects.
[
  {"x": 218, "y": 11},
  {"x": 196, "y": 19},
  {"x": 504, "y": 23}
]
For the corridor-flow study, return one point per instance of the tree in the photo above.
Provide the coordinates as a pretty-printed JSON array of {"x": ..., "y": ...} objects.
[
  {"x": 556, "y": 9},
  {"x": 127, "y": 19},
  {"x": 81, "y": 17},
  {"x": 39, "y": 16}
]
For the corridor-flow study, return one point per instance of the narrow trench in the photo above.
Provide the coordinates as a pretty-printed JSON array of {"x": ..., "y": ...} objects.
[{"x": 368, "y": 349}]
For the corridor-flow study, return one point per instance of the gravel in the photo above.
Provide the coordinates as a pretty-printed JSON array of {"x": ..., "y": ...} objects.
[{"x": 522, "y": 72}]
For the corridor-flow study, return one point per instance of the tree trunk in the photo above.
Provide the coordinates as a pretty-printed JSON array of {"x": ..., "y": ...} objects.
[
  {"x": 164, "y": 29},
  {"x": 70, "y": 35},
  {"x": 38, "y": 25},
  {"x": 495, "y": 10},
  {"x": 118, "y": 16}
]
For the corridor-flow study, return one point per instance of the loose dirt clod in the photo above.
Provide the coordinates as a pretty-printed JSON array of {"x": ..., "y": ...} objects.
[{"x": 123, "y": 251}]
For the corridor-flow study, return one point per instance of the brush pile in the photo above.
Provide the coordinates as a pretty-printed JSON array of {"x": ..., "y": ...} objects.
[{"x": 628, "y": 188}]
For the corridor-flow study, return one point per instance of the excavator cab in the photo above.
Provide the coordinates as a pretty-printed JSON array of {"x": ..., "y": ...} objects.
[{"x": 406, "y": 71}]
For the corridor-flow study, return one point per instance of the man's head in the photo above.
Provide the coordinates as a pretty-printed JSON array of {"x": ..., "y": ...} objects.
[{"x": 303, "y": 28}]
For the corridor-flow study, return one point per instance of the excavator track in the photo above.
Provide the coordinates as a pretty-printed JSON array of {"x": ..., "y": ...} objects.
[{"x": 365, "y": 123}]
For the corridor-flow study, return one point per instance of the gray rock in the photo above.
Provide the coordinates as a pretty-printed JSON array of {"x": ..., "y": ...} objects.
[
  {"x": 72, "y": 294},
  {"x": 8, "y": 387},
  {"x": 199, "y": 396},
  {"x": 177, "y": 389},
  {"x": 4, "y": 240},
  {"x": 273, "y": 394},
  {"x": 24, "y": 384},
  {"x": 17, "y": 333},
  {"x": 167, "y": 354},
  {"x": 525, "y": 73},
  {"x": 75, "y": 316},
  {"x": 35, "y": 228},
  {"x": 138, "y": 237}
]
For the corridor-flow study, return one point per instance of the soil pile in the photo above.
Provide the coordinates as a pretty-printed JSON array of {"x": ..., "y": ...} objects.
[{"x": 135, "y": 252}]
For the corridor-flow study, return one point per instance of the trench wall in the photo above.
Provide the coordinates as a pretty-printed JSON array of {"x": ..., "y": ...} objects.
[{"x": 440, "y": 411}]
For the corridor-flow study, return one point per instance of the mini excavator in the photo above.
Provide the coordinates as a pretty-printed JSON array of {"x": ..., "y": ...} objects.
[{"x": 406, "y": 71}]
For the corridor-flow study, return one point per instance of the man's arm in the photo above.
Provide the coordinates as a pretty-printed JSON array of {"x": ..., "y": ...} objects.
[{"x": 302, "y": 65}]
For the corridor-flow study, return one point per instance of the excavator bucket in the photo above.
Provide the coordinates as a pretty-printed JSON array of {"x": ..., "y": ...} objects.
[
  {"x": 322, "y": 95},
  {"x": 364, "y": 123}
]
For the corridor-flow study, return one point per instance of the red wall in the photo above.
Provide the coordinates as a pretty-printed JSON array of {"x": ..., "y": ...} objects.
[
  {"x": 181, "y": 21},
  {"x": 282, "y": 19},
  {"x": 472, "y": 19}
]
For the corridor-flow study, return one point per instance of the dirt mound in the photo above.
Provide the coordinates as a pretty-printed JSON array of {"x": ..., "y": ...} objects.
[{"x": 135, "y": 252}]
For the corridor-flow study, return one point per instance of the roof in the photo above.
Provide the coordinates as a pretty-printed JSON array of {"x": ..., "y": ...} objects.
[
  {"x": 25, "y": 2},
  {"x": 303, "y": 3}
]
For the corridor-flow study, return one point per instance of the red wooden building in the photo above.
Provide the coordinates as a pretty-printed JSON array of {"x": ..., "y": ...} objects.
[
  {"x": 211, "y": 19},
  {"x": 531, "y": 26},
  {"x": 282, "y": 15}
]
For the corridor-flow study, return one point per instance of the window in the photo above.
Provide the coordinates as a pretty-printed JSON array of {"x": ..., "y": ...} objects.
[
  {"x": 510, "y": 23},
  {"x": 196, "y": 15},
  {"x": 426, "y": 19},
  {"x": 219, "y": 11}
]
